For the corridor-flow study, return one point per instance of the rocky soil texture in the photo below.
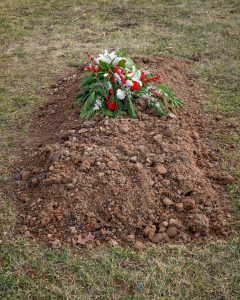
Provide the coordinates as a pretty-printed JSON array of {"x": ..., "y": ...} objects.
[{"x": 121, "y": 180}]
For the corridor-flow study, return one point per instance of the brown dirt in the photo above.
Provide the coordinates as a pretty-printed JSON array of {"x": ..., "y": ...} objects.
[{"x": 121, "y": 180}]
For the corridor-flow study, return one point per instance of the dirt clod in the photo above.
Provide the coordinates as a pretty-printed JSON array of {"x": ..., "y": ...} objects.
[
  {"x": 199, "y": 224},
  {"x": 167, "y": 202},
  {"x": 139, "y": 246},
  {"x": 172, "y": 231},
  {"x": 161, "y": 169}
]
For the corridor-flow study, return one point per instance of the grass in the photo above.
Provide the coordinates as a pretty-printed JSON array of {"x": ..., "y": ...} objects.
[
  {"x": 38, "y": 39},
  {"x": 121, "y": 273}
]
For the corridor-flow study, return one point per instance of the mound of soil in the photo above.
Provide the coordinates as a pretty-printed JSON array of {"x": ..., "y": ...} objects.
[{"x": 121, "y": 180}]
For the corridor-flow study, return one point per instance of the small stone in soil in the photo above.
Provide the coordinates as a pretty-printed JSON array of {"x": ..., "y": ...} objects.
[
  {"x": 172, "y": 231},
  {"x": 88, "y": 124},
  {"x": 73, "y": 229},
  {"x": 167, "y": 202},
  {"x": 25, "y": 175},
  {"x": 124, "y": 128},
  {"x": 158, "y": 138},
  {"x": 56, "y": 243},
  {"x": 179, "y": 207},
  {"x": 113, "y": 165},
  {"x": 189, "y": 204},
  {"x": 138, "y": 245},
  {"x": 199, "y": 224},
  {"x": 160, "y": 237},
  {"x": 175, "y": 222},
  {"x": 133, "y": 159},
  {"x": 149, "y": 231},
  {"x": 160, "y": 169},
  {"x": 130, "y": 238},
  {"x": 113, "y": 242},
  {"x": 164, "y": 223}
]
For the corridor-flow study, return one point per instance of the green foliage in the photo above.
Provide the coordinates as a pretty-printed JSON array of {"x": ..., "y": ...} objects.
[
  {"x": 157, "y": 106},
  {"x": 130, "y": 107},
  {"x": 112, "y": 113},
  {"x": 87, "y": 109},
  {"x": 122, "y": 63},
  {"x": 169, "y": 95},
  {"x": 117, "y": 86},
  {"x": 103, "y": 65}
]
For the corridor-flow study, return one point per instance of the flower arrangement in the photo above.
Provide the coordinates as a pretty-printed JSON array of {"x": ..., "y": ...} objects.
[{"x": 112, "y": 84}]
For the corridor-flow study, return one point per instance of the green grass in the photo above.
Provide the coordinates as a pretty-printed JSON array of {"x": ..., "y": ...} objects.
[
  {"x": 170, "y": 272},
  {"x": 38, "y": 39}
]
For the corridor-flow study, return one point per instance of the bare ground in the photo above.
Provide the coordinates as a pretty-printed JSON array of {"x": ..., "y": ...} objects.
[{"x": 122, "y": 180}]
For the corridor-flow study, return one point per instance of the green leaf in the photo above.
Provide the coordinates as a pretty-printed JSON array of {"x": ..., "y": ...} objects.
[
  {"x": 170, "y": 96},
  {"x": 130, "y": 108},
  {"x": 112, "y": 113},
  {"x": 140, "y": 91},
  {"x": 103, "y": 65},
  {"x": 87, "y": 108},
  {"x": 82, "y": 97},
  {"x": 158, "y": 106},
  {"x": 122, "y": 63}
]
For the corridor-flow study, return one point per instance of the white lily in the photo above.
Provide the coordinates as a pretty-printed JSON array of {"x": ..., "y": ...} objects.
[
  {"x": 129, "y": 83},
  {"x": 135, "y": 75},
  {"x": 117, "y": 77},
  {"x": 108, "y": 57},
  {"x": 98, "y": 104},
  {"x": 121, "y": 94}
]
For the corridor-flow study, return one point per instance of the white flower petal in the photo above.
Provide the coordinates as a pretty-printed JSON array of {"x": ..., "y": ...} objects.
[
  {"x": 117, "y": 59},
  {"x": 129, "y": 83},
  {"x": 117, "y": 77},
  {"x": 121, "y": 94}
]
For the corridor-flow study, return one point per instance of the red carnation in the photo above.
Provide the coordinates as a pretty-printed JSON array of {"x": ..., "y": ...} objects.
[
  {"x": 111, "y": 105},
  {"x": 142, "y": 76},
  {"x": 111, "y": 91},
  {"x": 135, "y": 86}
]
